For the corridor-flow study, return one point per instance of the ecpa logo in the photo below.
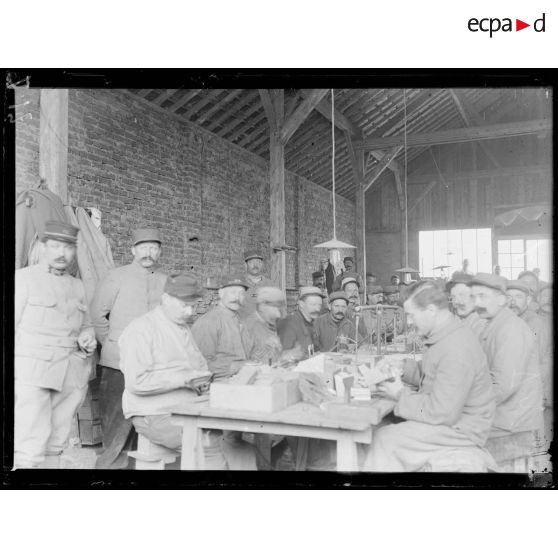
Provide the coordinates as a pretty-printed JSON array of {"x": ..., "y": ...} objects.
[{"x": 494, "y": 24}]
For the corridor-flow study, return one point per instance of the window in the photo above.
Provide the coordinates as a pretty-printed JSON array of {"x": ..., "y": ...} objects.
[
  {"x": 519, "y": 254},
  {"x": 450, "y": 248}
]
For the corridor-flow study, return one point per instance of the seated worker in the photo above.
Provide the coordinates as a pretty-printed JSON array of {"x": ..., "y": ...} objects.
[
  {"x": 463, "y": 304},
  {"x": 453, "y": 409},
  {"x": 334, "y": 331},
  {"x": 164, "y": 368},
  {"x": 351, "y": 288},
  {"x": 217, "y": 334},
  {"x": 319, "y": 280},
  {"x": 298, "y": 328},
  {"x": 393, "y": 315},
  {"x": 259, "y": 334},
  {"x": 512, "y": 357}
]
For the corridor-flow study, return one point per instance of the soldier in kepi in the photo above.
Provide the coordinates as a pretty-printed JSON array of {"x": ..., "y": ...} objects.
[
  {"x": 54, "y": 340},
  {"x": 254, "y": 279}
]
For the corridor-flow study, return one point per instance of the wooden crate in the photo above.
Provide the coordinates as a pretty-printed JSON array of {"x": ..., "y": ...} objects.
[
  {"x": 90, "y": 432},
  {"x": 256, "y": 398}
]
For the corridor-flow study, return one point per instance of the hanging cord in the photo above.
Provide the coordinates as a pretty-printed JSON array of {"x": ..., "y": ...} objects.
[
  {"x": 405, "y": 153},
  {"x": 333, "y": 161},
  {"x": 438, "y": 169}
]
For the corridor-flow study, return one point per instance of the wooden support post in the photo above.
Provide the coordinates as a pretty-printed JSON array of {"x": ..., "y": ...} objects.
[
  {"x": 53, "y": 141},
  {"x": 277, "y": 190},
  {"x": 360, "y": 221}
]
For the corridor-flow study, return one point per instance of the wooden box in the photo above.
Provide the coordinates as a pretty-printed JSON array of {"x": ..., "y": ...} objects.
[
  {"x": 255, "y": 398},
  {"x": 90, "y": 432}
]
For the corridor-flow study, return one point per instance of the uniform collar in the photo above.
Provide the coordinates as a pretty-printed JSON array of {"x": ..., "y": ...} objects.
[
  {"x": 443, "y": 329},
  {"x": 145, "y": 270}
]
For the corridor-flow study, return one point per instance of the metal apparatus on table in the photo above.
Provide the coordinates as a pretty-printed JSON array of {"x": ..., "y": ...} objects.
[{"x": 381, "y": 332}]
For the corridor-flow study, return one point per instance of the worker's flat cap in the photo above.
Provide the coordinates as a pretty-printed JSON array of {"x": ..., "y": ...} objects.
[
  {"x": 273, "y": 296},
  {"x": 338, "y": 295},
  {"x": 349, "y": 279},
  {"x": 518, "y": 286},
  {"x": 310, "y": 291},
  {"x": 391, "y": 289},
  {"x": 233, "y": 281},
  {"x": 56, "y": 230},
  {"x": 458, "y": 277},
  {"x": 146, "y": 235},
  {"x": 348, "y": 259},
  {"x": 375, "y": 289},
  {"x": 490, "y": 280},
  {"x": 317, "y": 274},
  {"x": 184, "y": 286},
  {"x": 252, "y": 253}
]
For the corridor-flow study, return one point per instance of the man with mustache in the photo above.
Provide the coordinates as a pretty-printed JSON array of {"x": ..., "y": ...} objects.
[
  {"x": 126, "y": 293},
  {"x": 218, "y": 336},
  {"x": 298, "y": 328},
  {"x": 334, "y": 329},
  {"x": 351, "y": 287},
  {"x": 54, "y": 340},
  {"x": 459, "y": 289},
  {"x": 255, "y": 279},
  {"x": 511, "y": 351}
]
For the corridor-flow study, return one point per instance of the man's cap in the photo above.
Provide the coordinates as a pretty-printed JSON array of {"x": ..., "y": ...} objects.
[
  {"x": 375, "y": 289},
  {"x": 64, "y": 232},
  {"x": 307, "y": 291},
  {"x": 338, "y": 295},
  {"x": 348, "y": 259},
  {"x": 391, "y": 289},
  {"x": 370, "y": 274},
  {"x": 519, "y": 286},
  {"x": 458, "y": 277},
  {"x": 252, "y": 253},
  {"x": 233, "y": 281},
  {"x": 347, "y": 280},
  {"x": 273, "y": 296},
  {"x": 490, "y": 280},
  {"x": 394, "y": 275},
  {"x": 527, "y": 272},
  {"x": 184, "y": 286},
  {"x": 317, "y": 274},
  {"x": 146, "y": 235}
]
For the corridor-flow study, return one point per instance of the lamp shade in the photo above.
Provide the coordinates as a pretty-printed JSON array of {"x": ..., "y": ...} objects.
[{"x": 334, "y": 244}]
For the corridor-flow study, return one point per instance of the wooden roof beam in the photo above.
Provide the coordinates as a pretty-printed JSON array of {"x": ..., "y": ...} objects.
[
  {"x": 381, "y": 166},
  {"x": 219, "y": 105},
  {"x": 301, "y": 113},
  {"x": 181, "y": 102},
  {"x": 159, "y": 100},
  {"x": 464, "y": 109},
  {"x": 460, "y": 135},
  {"x": 241, "y": 102}
]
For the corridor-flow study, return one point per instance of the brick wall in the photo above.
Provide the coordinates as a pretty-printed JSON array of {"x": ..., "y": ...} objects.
[{"x": 209, "y": 197}]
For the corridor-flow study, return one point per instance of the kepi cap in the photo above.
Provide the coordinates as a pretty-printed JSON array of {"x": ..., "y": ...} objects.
[
  {"x": 491, "y": 281},
  {"x": 349, "y": 279},
  {"x": 317, "y": 274},
  {"x": 252, "y": 253},
  {"x": 273, "y": 296},
  {"x": 374, "y": 290},
  {"x": 146, "y": 235},
  {"x": 233, "y": 281},
  {"x": 56, "y": 230},
  {"x": 519, "y": 286},
  {"x": 458, "y": 277},
  {"x": 308, "y": 291},
  {"x": 338, "y": 295},
  {"x": 184, "y": 286}
]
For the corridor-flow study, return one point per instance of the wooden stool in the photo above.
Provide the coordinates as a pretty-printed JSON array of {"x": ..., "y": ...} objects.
[
  {"x": 512, "y": 453},
  {"x": 150, "y": 456}
]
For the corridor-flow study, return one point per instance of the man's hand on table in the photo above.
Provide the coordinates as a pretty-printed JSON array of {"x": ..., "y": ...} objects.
[{"x": 391, "y": 388}]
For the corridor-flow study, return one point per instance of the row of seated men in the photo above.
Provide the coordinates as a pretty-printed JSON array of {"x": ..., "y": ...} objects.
[{"x": 471, "y": 384}]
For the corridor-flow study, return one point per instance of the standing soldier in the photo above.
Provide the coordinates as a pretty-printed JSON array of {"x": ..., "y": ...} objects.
[
  {"x": 126, "y": 293},
  {"x": 54, "y": 339},
  {"x": 254, "y": 279}
]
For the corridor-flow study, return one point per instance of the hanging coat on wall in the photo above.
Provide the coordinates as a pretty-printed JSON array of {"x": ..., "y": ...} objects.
[{"x": 34, "y": 207}]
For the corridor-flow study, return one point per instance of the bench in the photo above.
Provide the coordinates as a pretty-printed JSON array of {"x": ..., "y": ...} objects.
[
  {"x": 512, "y": 452},
  {"x": 150, "y": 456}
]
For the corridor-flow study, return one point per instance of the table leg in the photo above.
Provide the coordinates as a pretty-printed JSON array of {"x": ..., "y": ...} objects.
[
  {"x": 347, "y": 457},
  {"x": 192, "y": 450},
  {"x": 262, "y": 443}
]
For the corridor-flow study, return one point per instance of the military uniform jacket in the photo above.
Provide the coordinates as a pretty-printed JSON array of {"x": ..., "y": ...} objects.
[
  {"x": 296, "y": 329},
  {"x": 249, "y": 305},
  {"x": 512, "y": 356},
  {"x": 217, "y": 334},
  {"x": 454, "y": 384},
  {"x": 328, "y": 331},
  {"x": 50, "y": 314},
  {"x": 126, "y": 293}
]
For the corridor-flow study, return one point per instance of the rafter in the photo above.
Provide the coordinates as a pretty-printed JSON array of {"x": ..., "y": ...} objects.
[
  {"x": 300, "y": 114},
  {"x": 219, "y": 105},
  {"x": 381, "y": 166},
  {"x": 182, "y": 101}
]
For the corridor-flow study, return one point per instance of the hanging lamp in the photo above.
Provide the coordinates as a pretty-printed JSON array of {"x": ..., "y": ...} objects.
[{"x": 334, "y": 246}]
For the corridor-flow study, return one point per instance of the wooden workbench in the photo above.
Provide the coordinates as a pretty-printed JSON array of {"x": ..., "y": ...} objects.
[{"x": 346, "y": 424}]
